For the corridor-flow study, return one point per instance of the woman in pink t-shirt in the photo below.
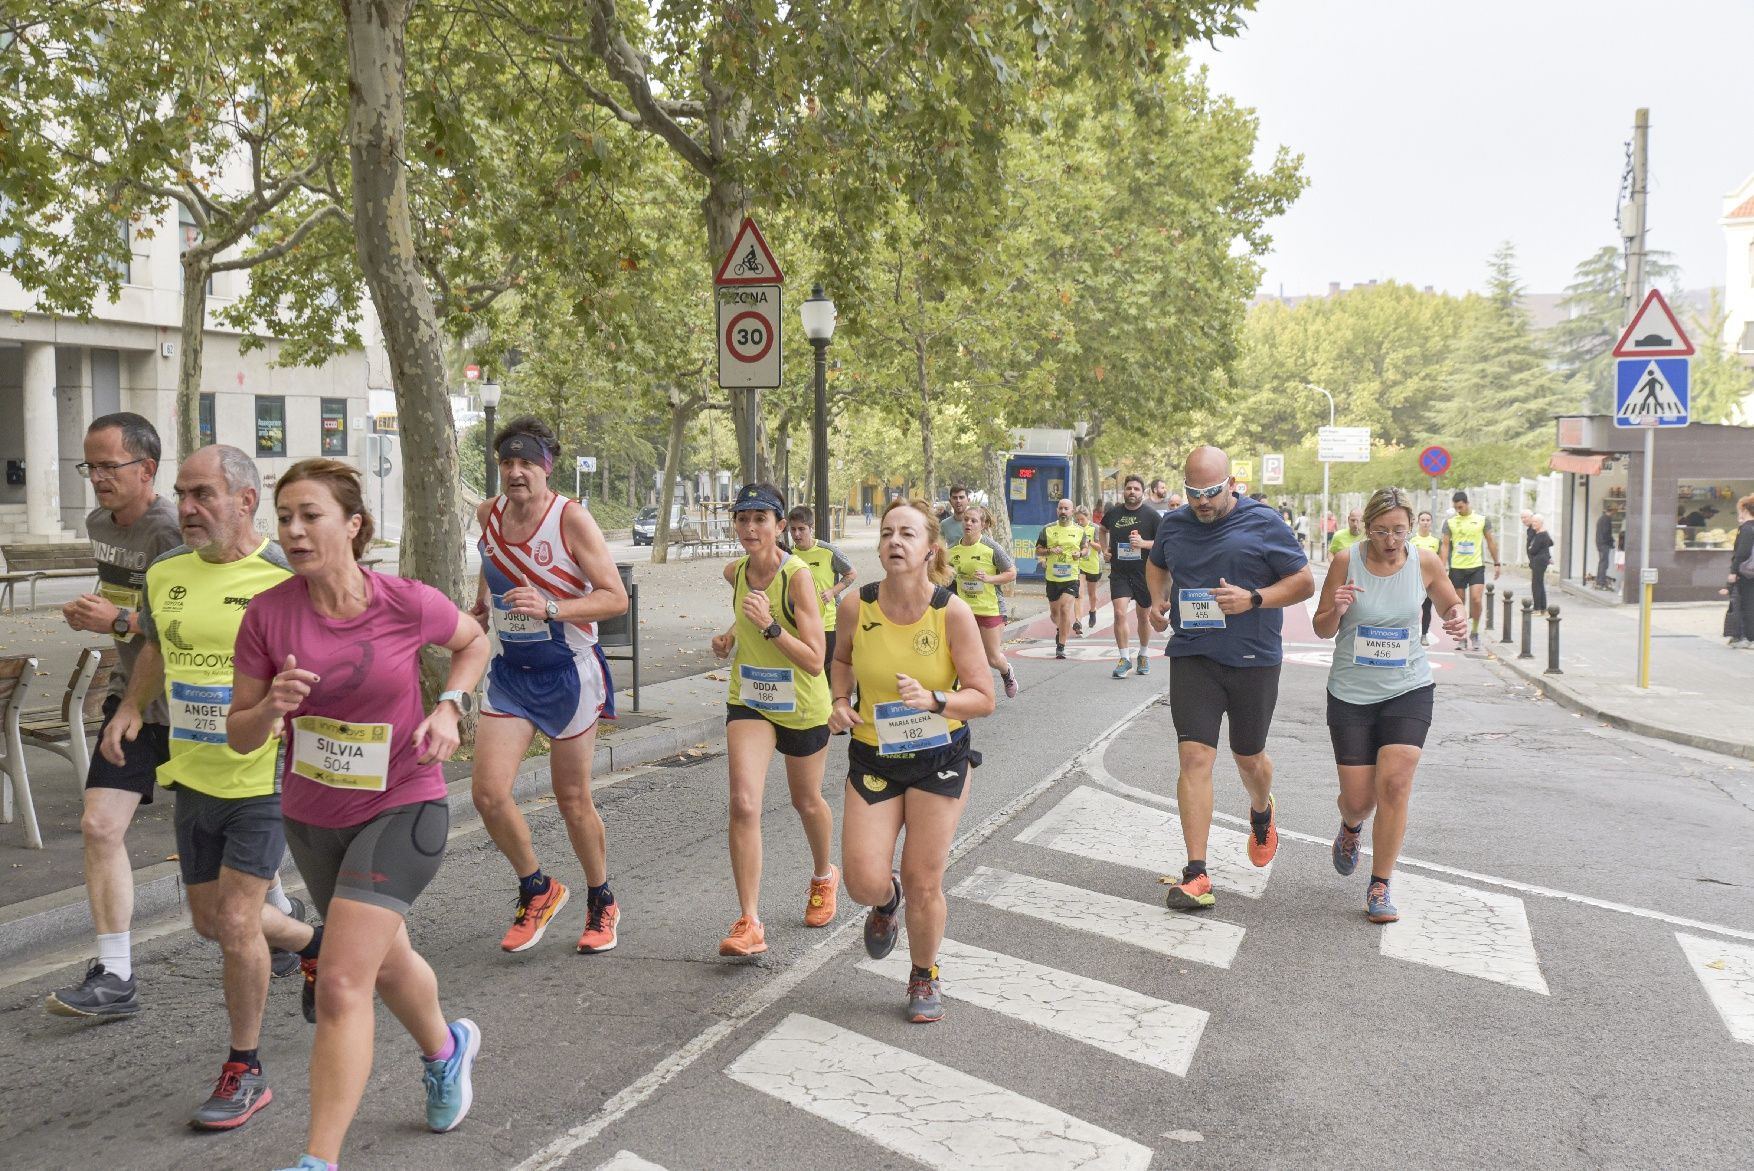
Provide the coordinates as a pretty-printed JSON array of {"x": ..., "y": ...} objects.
[{"x": 332, "y": 656}]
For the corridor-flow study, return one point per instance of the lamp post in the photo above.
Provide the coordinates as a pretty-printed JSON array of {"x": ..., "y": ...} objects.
[
  {"x": 1322, "y": 524},
  {"x": 818, "y": 314},
  {"x": 490, "y": 403}
]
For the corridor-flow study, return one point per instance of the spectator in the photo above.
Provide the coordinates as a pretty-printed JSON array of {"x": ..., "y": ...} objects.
[
  {"x": 1605, "y": 550},
  {"x": 1741, "y": 576},
  {"x": 1540, "y": 549}
]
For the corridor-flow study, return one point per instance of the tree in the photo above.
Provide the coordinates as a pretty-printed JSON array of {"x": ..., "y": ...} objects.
[
  {"x": 1499, "y": 386},
  {"x": 1595, "y": 306},
  {"x": 1722, "y": 385}
]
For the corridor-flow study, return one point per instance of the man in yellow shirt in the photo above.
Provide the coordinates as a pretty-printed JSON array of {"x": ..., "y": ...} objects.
[
  {"x": 1060, "y": 547},
  {"x": 1467, "y": 537},
  {"x": 1350, "y": 535}
]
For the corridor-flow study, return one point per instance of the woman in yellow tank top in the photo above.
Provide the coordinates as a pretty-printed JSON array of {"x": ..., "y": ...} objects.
[
  {"x": 981, "y": 567},
  {"x": 1090, "y": 566},
  {"x": 916, "y": 657},
  {"x": 778, "y": 698}
]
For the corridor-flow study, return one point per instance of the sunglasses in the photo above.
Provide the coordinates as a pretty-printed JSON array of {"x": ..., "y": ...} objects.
[{"x": 1204, "y": 493}]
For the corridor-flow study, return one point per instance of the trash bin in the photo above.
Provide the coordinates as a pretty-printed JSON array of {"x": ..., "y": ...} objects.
[{"x": 622, "y": 631}]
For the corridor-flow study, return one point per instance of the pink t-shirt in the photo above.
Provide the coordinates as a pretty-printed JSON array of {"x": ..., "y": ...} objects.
[{"x": 370, "y": 674}]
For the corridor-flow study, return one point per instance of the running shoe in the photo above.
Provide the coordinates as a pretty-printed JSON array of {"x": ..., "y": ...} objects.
[
  {"x": 1122, "y": 666},
  {"x": 1377, "y": 907},
  {"x": 1346, "y": 850},
  {"x": 307, "y": 1163},
  {"x": 100, "y": 994},
  {"x": 1077, "y": 630},
  {"x": 1059, "y": 650},
  {"x": 747, "y": 938},
  {"x": 819, "y": 908},
  {"x": 882, "y": 928},
  {"x": 307, "y": 997},
  {"x": 925, "y": 1003},
  {"x": 1143, "y": 666},
  {"x": 533, "y": 915},
  {"x": 1475, "y": 639},
  {"x": 602, "y": 921},
  {"x": 1010, "y": 682},
  {"x": 1263, "y": 840},
  {"x": 1191, "y": 894},
  {"x": 285, "y": 963},
  {"x": 1425, "y": 640},
  {"x": 239, "y": 1093},
  {"x": 449, "y": 1091}
]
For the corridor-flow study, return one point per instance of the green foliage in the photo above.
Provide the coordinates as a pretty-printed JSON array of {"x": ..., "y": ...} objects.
[
  {"x": 1595, "y": 306},
  {"x": 1721, "y": 384}
]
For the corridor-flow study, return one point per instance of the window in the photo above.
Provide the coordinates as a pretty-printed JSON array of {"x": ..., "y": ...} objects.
[
  {"x": 204, "y": 421},
  {"x": 123, "y": 264},
  {"x": 334, "y": 426},
  {"x": 188, "y": 235},
  {"x": 1747, "y": 343},
  {"x": 1705, "y": 513},
  {"x": 270, "y": 424}
]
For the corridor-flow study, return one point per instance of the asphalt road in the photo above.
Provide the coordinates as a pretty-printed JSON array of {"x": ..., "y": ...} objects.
[{"x": 1538, "y": 1007}]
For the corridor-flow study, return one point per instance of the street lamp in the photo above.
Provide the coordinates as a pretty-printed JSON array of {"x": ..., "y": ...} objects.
[
  {"x": 1322, "y": 524},
  {"x": 818, "y": 314},
  {"x": 489, "y": 403}
]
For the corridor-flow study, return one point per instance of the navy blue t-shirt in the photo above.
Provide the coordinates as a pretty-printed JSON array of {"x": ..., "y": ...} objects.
[{"x": 1250, "y": 546}]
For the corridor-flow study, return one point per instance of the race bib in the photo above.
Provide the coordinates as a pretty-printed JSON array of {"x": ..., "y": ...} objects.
[
  {"x": 198, "y": 711},
  {"x": 514, "y": 627},
  {"x": 341, "y": 756},
  {"x": 1466, "y": 548},
  {"x": 767, "y": 689},
  {"x": 1199, "y": 610},
  {"x": 971, "y": 586},
  {"x": 1125, "y": 552},
  {"x": 1061, "y": 571},
  {"x": 1382, "y": 646},
  {"x": 902, "y": 729}
]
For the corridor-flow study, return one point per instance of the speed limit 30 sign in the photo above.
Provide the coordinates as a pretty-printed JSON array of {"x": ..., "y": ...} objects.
[{"x": 749, "y": 335}]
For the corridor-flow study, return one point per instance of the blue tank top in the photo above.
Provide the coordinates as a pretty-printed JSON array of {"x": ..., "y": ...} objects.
[{"x": 1377, "y": 655}]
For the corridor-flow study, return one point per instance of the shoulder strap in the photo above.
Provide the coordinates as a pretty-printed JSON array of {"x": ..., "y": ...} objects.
[
  {"x": 868, "y": 593},
  {"x": 786, "y": 573},
  {"x": 940, "y": 597}
]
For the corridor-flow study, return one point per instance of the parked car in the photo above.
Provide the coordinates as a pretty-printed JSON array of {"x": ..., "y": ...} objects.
[{"x": 645, "y": 525}]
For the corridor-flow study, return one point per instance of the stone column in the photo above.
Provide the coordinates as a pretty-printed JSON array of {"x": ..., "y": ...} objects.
[{"x": 42, "y": 471}]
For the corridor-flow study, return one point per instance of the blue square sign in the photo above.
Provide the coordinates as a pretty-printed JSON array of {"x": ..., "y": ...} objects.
[{"x": 1651, "y": 392}]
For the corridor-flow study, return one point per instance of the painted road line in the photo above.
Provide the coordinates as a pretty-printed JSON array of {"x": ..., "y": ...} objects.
[
  {"x": 1727, "y": 971},
  {"x": 1093, "y": 824},
  {"x": 924, "y": 1111},
  {"x": 1126, "y": 1023},
  {"x": 628, "y": 1161},
  {"x": 1472, "y": 932},
  {"x": 1156, "y": 929}
]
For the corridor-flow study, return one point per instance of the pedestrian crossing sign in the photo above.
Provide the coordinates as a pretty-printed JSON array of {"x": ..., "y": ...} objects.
[{"x": 1651, "y": 392}]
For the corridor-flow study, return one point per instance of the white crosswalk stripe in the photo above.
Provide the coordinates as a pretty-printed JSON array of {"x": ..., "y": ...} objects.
[
  {"x": 1094, "y": 824},
  {"x": 1460, "y": 929},
  {"x": 1129, "y": 1024},
  {"x": 628, "y": 1161},
  {"x": 1727, "y": 971},
  {"x": 918, "y": 1108},
  {"x": 1156, "y": 929}
]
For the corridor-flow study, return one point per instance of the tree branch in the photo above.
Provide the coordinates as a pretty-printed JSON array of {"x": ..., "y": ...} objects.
[
  {"x": 626, "y": 66},
  {"x": 311, "y": 223}
]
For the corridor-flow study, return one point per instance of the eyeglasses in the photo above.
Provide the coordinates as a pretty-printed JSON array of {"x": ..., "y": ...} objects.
[
  {"x": 1381, "y": 534},
  {"x": 1205, "y": 493},
  {"x": 93, "y": 471}
]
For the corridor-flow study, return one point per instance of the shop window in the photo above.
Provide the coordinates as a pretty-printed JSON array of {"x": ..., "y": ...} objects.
[
  {"x": 204, "y": 421},
  {"x": 334, "y": 426},
  {"x": 270, "y": 424},
  {"x": 1705, "y": 513}
]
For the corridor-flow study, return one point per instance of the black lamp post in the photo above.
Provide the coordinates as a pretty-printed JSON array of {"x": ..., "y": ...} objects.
[
  {"x": 818, "y": 314},
  {"x": 489, "y": 402}
]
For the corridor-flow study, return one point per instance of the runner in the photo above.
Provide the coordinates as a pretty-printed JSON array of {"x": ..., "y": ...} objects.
[
  {"x": 229, "y": 835},
  {"x": 952, "y": 526},
  {"x": 1380, "y": 689},
  {"x": 981, "y": 568},
  {"x": 1425, "y": 539},
  {"x": 829, "y": 568},
  {"x": 1132, "y": 529},
  {"x": 130, "y": 527},
  {"x": 778, "y": 699},
  {"x": 1233, "y": 565},
  {"x": 915, "y": 657},
  {"x": 1060, "y": 546},
  {"x": 547, "y": 579},
  {"x": 1348, "y": 536},
  {"x": 1157, "y": 498},
  {"x": 1463, "y": 535},
  {"x": 1090, "y": 566},
  {"x": 332, "y": 657}
]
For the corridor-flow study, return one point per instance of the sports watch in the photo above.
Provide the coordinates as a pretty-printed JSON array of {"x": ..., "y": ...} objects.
[
  {"x": 552, "y": 609},
  {"x": 1255, "y": 598},
  {"x": 941, "y": 699},
  {"x": 119, "y": 627},
  {"x": 464, "y": 700},
  {"x": 771, "y": 631}
]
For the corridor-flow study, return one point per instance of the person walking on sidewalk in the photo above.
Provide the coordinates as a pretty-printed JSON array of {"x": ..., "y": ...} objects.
[
  {"x": 1131, "y": 530},
  {"x": 1540, "y": 549},
  {"x": 131, "y": 527},
  {"x": 1467, "y": 538},
  {"x": 1380, "y": 689},
  {"x": 1741, "y": 576},
  {"x": 1605, "y": 550},
  {"x": 547, "y": 579},
  {"x": 981, "y": 567},
  {"x": 777, "y": 700},
  {"x": 332, "y": 657},
  {"x": 1223, "y": 569},
  {"x": 230, "y": 838},
  {"x": 915, "y": 656}
]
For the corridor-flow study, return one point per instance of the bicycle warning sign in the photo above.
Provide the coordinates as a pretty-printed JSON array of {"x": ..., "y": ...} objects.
[{"x": 749, "y": 261}]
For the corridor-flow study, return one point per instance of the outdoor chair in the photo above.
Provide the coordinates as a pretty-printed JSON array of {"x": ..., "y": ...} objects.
[
  {"x": 82, "y": 707},
  {"x": 16, "y": 674}
]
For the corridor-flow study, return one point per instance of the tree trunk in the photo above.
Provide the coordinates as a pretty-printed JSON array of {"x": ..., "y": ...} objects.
[
  {"x": 667, "y": 485},
  {"x": 197, "y": 267},
  {"x": 432, "y": 535},
  {"x": 928, "y": 462}
]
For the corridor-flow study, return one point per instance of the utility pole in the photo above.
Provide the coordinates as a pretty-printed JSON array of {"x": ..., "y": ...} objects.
[{"x": 1633, "y": 230}]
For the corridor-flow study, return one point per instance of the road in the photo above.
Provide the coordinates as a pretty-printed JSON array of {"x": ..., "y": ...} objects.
[{"x": 1572, "y": 985}]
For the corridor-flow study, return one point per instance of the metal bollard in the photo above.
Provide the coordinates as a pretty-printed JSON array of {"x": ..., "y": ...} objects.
[
  {"x": 1528, "y": 630},
  {"x": 1507, "y": 634},
  {"x": 1489, "y": 592},
  {"x": 1553, "y": 667}
]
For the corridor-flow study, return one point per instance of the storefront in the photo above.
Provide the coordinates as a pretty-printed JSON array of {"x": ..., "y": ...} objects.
[{"x": 1699, "y": 473}]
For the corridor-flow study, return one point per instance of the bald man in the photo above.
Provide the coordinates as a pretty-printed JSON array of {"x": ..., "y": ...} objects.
[{"x": 1221, "y": 570}]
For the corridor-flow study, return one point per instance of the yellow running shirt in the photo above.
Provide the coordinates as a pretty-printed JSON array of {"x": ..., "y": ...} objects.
[
  {"x": 982, "y": 596},
  {"x": 762, "y": 678},
  {"x": 827, "y": 566},
  {"x": 1467, "y": 537},
  {"x": 1061, "y": 544},
  {"x": 882, "y": 649}
]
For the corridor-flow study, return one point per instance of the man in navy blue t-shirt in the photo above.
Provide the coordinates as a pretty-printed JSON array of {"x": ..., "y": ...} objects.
[{"x": 1221, "y": 571}]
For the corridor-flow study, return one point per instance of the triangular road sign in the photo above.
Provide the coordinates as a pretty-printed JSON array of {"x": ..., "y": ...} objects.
[
  {"x": 1654, "y": 332},
  {"x": 749, "y": 262}
]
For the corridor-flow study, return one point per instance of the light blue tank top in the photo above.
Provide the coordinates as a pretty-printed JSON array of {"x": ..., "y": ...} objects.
[{"x": 1377, "y": 655}]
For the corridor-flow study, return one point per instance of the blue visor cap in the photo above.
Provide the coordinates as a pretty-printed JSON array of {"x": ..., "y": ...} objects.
[{"x": 755, "y": 497}]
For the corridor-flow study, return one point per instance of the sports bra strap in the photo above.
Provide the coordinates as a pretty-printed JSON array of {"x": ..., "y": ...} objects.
[
  {"x": 940, "y": 597},
  {"x": 868, "y": 593}
]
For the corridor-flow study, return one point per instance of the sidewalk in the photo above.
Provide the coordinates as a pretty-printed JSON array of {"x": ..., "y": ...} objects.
[{"x": 1699, "y": 687}]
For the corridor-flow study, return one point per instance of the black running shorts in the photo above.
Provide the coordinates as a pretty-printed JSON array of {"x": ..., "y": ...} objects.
[
  {"x": 1062, "y": 589},
  {"x": 789, "y": 741},
  {"x": 1360, "y": 730},
  {"x": 1203, "y": 692},
  {"x": 943, "y": 771}
]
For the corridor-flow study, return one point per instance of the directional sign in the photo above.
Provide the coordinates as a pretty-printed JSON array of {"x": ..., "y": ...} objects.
[
  {"x": 1654, "y": 332},
  {"x": 749, "y": 262},
  {"x": 1651, "y": 392},
  {"x": 587, "y": 464},
  {"x": 1343, "y": 445},
  {"x": 1434, "y": 460},
  {"x": 749, "y": 336},
  {"x": 1272, "y": 470}
]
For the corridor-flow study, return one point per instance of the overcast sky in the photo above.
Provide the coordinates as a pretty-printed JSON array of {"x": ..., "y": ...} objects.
[{"x": 1432, "y": 131}]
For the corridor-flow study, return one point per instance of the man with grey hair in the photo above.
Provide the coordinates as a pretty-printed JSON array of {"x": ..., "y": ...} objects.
[{"x": 230, "y": 839}]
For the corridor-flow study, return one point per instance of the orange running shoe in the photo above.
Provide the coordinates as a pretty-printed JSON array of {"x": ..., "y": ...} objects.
[
  {"x": 600, "y": 924},
  {"x": 747, "y": 938},
  {"x": 1263, "y": 844},
  {"x": 1191, "y": 893},
  {"x": 533, "y": 916},
  {"x": 819, "y": 911}
]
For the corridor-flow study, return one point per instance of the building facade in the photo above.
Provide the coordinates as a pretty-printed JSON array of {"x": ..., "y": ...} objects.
[{"x": 1738, "y": 226}]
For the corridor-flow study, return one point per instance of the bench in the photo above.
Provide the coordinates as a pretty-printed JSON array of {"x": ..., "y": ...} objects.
[
  {"x": 65, "y": 730},
  {"x": 17, "y": 673},
  {"x": 31, "y": 563}
]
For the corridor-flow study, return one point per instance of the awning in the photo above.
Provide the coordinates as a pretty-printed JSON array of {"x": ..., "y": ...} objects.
[{"x": 1582, "y": 465}]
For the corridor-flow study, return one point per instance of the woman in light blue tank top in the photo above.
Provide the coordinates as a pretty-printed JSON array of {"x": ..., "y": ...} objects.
[{"x": 1379, "y": 686}]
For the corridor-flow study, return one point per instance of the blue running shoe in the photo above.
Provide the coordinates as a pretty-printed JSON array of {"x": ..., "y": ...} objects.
[
  {"x": 1144, "y": 667},
  {"x": 1346, "y": 850},
  {"x": 449, "y": 1091},
  {"x": 308, "y": 1163},
  {"x": 1122, "y": 666},
  {"x": 1377, "y": 907}
]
